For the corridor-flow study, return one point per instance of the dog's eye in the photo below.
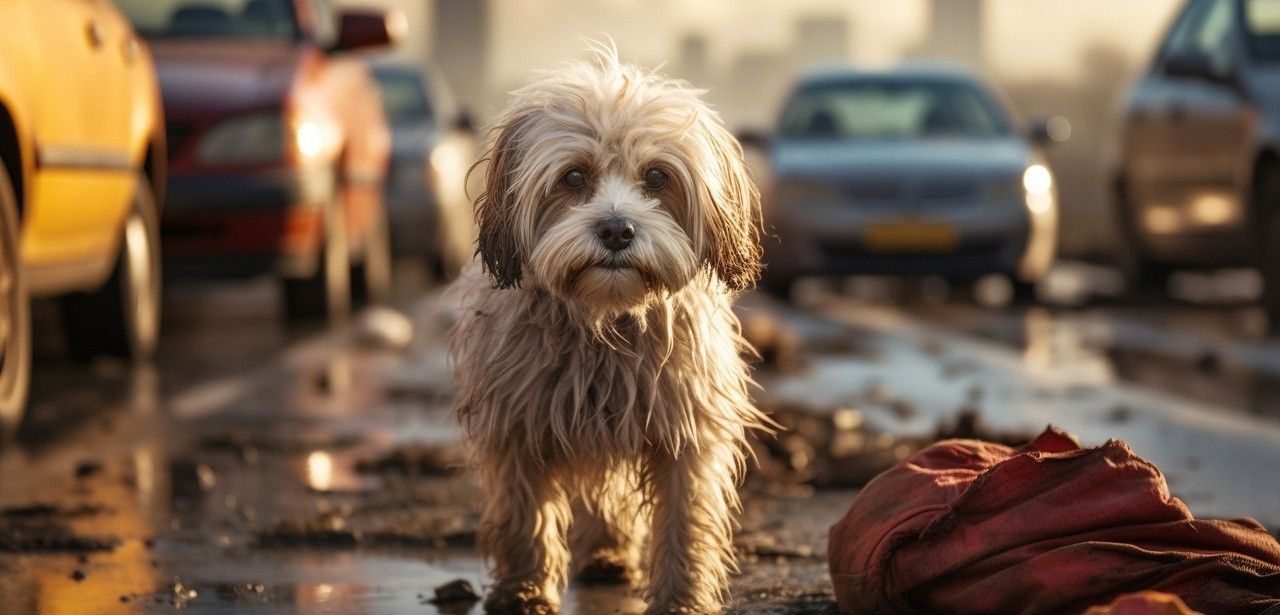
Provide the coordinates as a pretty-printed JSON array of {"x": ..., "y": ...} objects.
[
  {"x": 655, "y": 179},
  {"x": 575, "y": 179}
]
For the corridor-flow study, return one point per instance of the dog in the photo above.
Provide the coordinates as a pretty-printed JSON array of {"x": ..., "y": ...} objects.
[{"x": 598, "y": 360}]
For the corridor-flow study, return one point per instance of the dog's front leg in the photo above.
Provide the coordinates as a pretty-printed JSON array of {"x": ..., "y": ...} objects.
[
  {"x": 523, "y": 529},
  {"x": 694, "y": 499}
]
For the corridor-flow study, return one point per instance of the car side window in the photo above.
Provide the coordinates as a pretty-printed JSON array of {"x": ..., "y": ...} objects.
[
  {"x": 1204, "y": 30},
  {"x": 1180, "y": 39},
  {"x": 1214, "y": 39}
]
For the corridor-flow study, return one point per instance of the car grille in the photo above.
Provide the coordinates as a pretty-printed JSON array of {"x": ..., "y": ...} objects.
[
  {"x": 949, "y": 190},
  {"x": 873, "y": 191},
  {"x": 178, "y": 134}
]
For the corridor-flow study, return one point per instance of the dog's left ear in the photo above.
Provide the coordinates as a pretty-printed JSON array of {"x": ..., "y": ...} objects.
[{"x": 733, "y": 218}]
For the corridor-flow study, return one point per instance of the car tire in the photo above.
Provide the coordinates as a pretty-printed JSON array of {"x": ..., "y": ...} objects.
[
  {"x": 371, "y": 277},
  {"x": 15, "y": 317},
  {"x": 1141, "y": 274},
  {"x": 326, "y": 293},
  {"x": 1267, "y": 195},
  {"x": 122, "y": 319}
]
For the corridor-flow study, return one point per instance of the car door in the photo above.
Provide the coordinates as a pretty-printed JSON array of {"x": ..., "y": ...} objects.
[
  {"x": 1203, "y": 124},
  {"x": 84, "y": 178}
]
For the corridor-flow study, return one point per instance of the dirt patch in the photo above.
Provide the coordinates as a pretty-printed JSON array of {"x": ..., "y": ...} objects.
[
  {"x": 378, "y": 523},
  {"x": 836, "y": 449},
  {"x": 454, "y": 597},
  {"x": 415, "y": 460},
  {"x": 43, "y": 528},
  {"x": 248, "y": 444}
]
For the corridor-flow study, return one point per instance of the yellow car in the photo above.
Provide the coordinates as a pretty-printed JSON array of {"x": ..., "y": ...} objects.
[{"x": 82, "y": 155}]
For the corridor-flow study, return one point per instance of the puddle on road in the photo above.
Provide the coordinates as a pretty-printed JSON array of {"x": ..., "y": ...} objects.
[{"x": 1192, "y": 369}]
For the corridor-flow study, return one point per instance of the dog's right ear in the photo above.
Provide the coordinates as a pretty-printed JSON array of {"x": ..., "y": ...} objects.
[{"x": 495, "y": 207}]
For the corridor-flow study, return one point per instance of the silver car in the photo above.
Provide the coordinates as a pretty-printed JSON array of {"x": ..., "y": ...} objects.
[
  {"x": 914, "y": 171},
  {"x": 434, "y": 145}
]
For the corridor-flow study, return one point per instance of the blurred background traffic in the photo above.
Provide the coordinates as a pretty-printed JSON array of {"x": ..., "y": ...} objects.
[{"x": 224, "y": 225}]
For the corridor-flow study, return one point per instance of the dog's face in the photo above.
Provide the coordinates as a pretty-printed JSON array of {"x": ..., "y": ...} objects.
[{"x": 609, "y": 187}]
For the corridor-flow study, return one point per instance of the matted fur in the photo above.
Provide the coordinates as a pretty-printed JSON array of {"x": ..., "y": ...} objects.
[{"x": 607, "y": 389}]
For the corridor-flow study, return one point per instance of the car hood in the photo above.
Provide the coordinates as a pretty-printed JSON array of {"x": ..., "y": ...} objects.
[
  {"x": 199, "y": 78},
  {"x": 904, "y": 160}
]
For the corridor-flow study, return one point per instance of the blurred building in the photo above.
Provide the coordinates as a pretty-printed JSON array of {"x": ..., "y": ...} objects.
[
  {"x": 955, "y": 32},
  {"x": 820, "y": 39},
  {"x": 694, "y": 62},
  {"x": 460, "y": 44}
]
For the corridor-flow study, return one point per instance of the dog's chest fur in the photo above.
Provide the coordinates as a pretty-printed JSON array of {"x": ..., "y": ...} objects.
[{"x": 532, "y": 370}]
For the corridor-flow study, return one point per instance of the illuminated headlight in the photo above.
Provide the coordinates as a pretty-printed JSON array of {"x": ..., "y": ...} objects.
[
  {"x": 309, "y": 139},
  {"x": 1037, "y": 180},
  {"x": 800, "y": 192},
  {"x": 246, "y": 140}
]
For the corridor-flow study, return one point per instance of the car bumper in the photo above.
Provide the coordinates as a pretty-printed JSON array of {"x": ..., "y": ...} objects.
[
  {"x": 986, "y": 238},
  {"x": 245, "y": 224},
  {"x": 1205, "y": 248}
]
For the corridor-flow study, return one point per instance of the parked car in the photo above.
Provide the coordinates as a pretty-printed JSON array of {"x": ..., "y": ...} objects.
[
  {"x": 82, "y": 151},
  {"x": 1198, "y": 178},
  {"x": 913, "y": 171},
  {"x": 433, "y": 147},
  {"x": 278, "y": 146}
]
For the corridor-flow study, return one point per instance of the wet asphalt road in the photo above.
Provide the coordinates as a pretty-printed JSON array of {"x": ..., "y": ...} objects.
[{"x": 276, "y": 470}]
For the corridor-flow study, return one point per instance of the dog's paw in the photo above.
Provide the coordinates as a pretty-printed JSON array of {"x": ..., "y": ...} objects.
[
  {"x": 607, "y": 570},
  {"x": 518, "y": 603}
]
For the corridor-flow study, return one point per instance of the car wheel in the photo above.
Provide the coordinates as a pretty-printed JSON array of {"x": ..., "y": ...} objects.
[
  {"x": 122, "y": 319},
  {"x": 326, "y": 293},
  {"x": 1140, "y": 272},
  {"x": 1024, "y": 292},
  {"x": 15, "y": 318},
  {"x": 1268, "y": 195},
  {"x": 371, "y": 277}
]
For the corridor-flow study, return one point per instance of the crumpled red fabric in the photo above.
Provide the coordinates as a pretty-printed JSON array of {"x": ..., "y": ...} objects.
[{"x": 965, "y": 526}]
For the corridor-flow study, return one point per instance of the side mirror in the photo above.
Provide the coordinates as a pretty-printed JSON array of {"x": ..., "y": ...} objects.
[
  {"x": 464, "y": 123},
  {"x": 1192, "y": 66},
  {"x": 369, "y": 29},
  {"x": 1051, "y": 131}
]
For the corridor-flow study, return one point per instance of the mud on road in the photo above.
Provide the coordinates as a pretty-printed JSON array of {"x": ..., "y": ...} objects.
[{"x": 326, "y": 477}]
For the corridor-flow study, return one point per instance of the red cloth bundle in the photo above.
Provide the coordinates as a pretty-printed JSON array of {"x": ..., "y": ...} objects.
[{"x": 973, "y": 527}]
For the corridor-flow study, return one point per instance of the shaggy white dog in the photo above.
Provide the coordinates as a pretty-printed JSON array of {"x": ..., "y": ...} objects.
[{"x": 597, "y": 356}]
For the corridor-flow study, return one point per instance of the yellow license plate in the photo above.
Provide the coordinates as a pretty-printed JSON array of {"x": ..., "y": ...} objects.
[{"x": 911, "y": 236}]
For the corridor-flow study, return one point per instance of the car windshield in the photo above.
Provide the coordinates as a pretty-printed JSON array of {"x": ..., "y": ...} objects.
[
  {"x": 892, "y": 109},
  {"x": 253, "y": 19},
  {"x": 1262, "y": 28},
  {"x": 404, "y": 96}
]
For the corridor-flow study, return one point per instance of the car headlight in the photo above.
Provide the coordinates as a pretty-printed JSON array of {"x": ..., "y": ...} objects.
[
  {"x": 246, "y": 140},
  {"x": 1037, "y": 180},
  {"x": 804, "y": 192}
]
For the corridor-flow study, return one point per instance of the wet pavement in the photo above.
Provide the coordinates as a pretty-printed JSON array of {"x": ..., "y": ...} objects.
[{"x": 293, "y": 471}]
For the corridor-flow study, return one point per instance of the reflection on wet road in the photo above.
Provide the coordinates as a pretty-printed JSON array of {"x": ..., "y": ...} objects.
[{"x": 284, "y": 471}]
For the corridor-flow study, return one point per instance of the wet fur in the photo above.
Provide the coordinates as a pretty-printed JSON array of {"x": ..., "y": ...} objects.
[{"x": 606, "y": 391}]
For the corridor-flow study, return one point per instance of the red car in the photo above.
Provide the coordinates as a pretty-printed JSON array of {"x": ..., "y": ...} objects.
[{"x": 278, "y": 146}]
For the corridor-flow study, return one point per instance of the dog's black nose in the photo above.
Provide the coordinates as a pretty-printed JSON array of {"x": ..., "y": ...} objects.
[{"x": 615, "y": 233}]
